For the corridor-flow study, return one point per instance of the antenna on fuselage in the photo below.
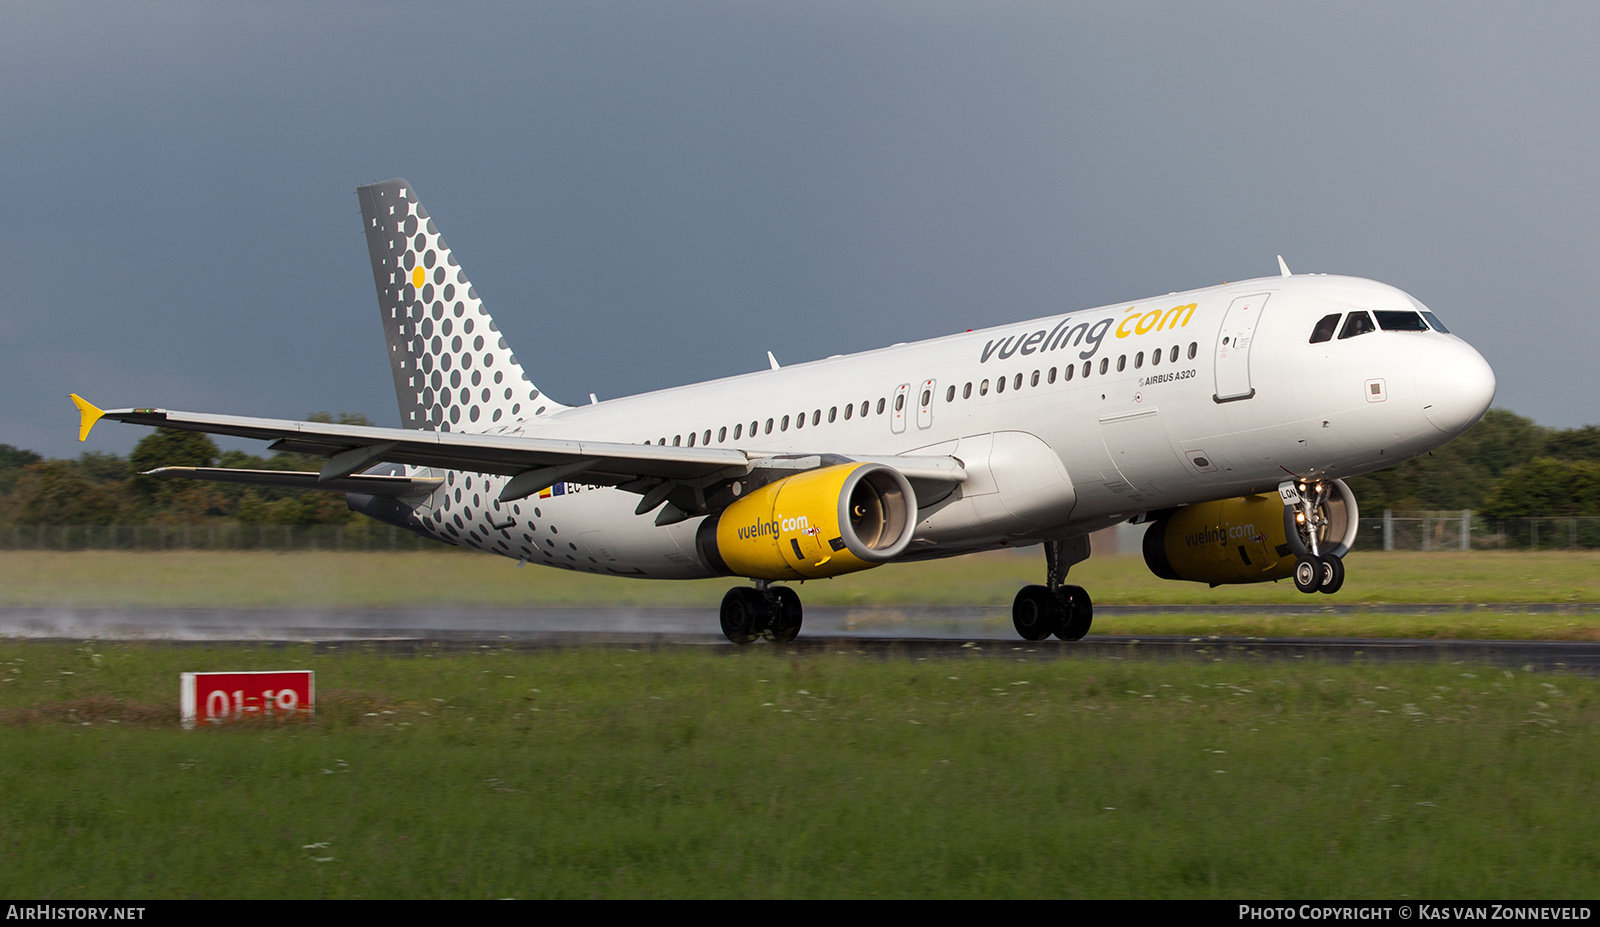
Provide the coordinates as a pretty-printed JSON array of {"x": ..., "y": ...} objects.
[
  {"x": 1283, "y": 267},
  {"x": 772, "y": 360}
]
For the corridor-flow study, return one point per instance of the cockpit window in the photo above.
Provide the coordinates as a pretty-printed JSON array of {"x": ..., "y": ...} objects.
[
  {"x": 1433, "y": 320},
  {"x": 1359, "y": 323},
  {"x": 1325, "y": 327},
  {"x": 1400, "y": 320}
]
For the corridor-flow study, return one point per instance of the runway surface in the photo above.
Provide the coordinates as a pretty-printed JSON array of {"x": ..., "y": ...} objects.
[{"x": 918, "y": 631}]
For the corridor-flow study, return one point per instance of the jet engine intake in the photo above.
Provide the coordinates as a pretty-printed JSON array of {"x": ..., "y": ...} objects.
[
  {"x": 819, "y": 523},
  {"x": 1250, "y": 539}
]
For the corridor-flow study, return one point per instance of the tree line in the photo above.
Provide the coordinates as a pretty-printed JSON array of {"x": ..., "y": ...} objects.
[
  {"x": 1506, "y": 466},
  {"x": 107, "y": 489}
]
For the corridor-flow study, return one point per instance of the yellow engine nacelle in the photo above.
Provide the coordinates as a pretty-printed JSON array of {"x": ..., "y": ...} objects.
[
  {"x": 819, "y": 523},
  {"x": 1252, "y": 539}
]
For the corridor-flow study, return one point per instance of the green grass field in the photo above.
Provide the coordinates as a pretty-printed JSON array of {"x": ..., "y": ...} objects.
[
  {"x": 713, "y": 773},
  {"x": 229, "y": 578},
  {"x": 323, "y": 580}
]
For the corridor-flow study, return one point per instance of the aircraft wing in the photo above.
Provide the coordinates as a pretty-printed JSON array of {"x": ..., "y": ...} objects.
[
  {"x": 370, "y": 484},
  {"x": 532, "y": 463}
]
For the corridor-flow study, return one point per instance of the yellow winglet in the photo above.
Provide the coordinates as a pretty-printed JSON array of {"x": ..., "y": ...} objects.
[{"x": 88, "y": 414}]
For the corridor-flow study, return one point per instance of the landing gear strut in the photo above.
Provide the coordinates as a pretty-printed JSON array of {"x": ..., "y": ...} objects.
[
  {"x": 1316, "y": 570},
  {"x": 771, "y": 612},
  {"x": 1057, "y": 608}
]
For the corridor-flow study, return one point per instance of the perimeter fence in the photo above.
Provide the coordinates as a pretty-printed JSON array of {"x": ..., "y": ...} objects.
[
  {"x": 1395, "y": 530},
  {"x": 369, "y": 536},
  {"x": 1462, "y": 529}
]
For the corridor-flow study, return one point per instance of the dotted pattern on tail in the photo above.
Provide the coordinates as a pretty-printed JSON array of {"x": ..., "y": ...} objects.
[{"x": 452, "y": 368}]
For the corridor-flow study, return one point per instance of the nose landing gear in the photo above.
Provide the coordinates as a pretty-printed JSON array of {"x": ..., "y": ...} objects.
[
  {"x": 1319, "y": 568},
  {"x": 770, "y": 612},
  {"x": 1323, "y": 574}
]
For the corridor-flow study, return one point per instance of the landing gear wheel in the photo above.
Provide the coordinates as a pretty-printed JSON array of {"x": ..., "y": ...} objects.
[
  {"x": 1332, "y": 575},
  {"x": 1036, "y": 613},
  {"x": 1077, "y": 613},
  {"x": 744, "y": 611},
  {"x": 785, "y": 623},
  {"x": 1308, "y": 572}
]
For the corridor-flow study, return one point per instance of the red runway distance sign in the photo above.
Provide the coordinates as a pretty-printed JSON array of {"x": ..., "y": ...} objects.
[{"x": 218, "y": 698}]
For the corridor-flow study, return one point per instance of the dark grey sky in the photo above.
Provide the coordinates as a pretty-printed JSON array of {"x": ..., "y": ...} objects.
[{"x": 650, "y": 193}]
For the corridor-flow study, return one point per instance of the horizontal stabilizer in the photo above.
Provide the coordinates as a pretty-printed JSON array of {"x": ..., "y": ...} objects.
[{"x": 295, "y": 479}]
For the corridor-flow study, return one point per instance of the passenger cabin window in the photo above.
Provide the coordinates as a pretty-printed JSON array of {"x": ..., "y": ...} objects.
[
  {"x": 950, "y": 394},
  {"x": 1400, "y": 320},
  {"x": 1358, "y": 323},
  {"x": 983, "y": 388},
  {"x": 1433, "y": 320},
  {"x": 1325, "y": 329},
  {"x": 880, "y": 406},
  {"x": 966, "y": 391},
  {"x": 1000, "y": 385},
  {"x": 1069, "y": 370}
]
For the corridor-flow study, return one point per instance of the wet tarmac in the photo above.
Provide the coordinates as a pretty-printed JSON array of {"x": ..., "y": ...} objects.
[{"x": 913, "y": 631}]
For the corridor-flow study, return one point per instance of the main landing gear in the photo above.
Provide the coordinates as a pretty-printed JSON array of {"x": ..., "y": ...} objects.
[
  {"x": 772, "y": 612},
  {"x": 1056, "y": 608}
]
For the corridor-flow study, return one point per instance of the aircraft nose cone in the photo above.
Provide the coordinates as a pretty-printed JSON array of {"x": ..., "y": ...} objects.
[{"x": 1455, "y": 385}]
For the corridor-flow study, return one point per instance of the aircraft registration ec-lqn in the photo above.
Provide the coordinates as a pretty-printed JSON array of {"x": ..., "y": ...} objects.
[{"x": 1224, "y": 417}]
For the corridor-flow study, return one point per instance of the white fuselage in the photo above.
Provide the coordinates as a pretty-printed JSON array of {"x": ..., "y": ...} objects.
[{"x": 1247, "y": 402}]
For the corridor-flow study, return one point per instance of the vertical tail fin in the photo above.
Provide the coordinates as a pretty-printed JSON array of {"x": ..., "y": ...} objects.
[{"x": 452, "y": 368}]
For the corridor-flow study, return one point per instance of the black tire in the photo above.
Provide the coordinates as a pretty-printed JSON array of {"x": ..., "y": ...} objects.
[
  {"x": 1308, "y": 574},
  {"x": 1332, "y": 575},
  {"x": 786, "y": 612},
  {"x": 1077, "y": 611},
  {"x": 743, "y": 613},
  {"x": 1036, "y": 613}
]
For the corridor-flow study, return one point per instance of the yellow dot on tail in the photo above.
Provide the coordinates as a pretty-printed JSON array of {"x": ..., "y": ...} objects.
[{"x": 418, "y": 276}]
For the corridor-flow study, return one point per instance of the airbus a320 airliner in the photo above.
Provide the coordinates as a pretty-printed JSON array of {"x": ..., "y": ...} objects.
[{"x": 1224, "y": 417}]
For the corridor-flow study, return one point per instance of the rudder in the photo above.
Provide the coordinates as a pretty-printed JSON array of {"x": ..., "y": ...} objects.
[{"x": 452, "y": 368}]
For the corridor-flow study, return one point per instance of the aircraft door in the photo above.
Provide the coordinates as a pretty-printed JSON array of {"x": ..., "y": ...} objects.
[
  {"x": 1233, "y": 347},
  {"x": 897, "y": 408},
  {"x": 925, "y": 403}
]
